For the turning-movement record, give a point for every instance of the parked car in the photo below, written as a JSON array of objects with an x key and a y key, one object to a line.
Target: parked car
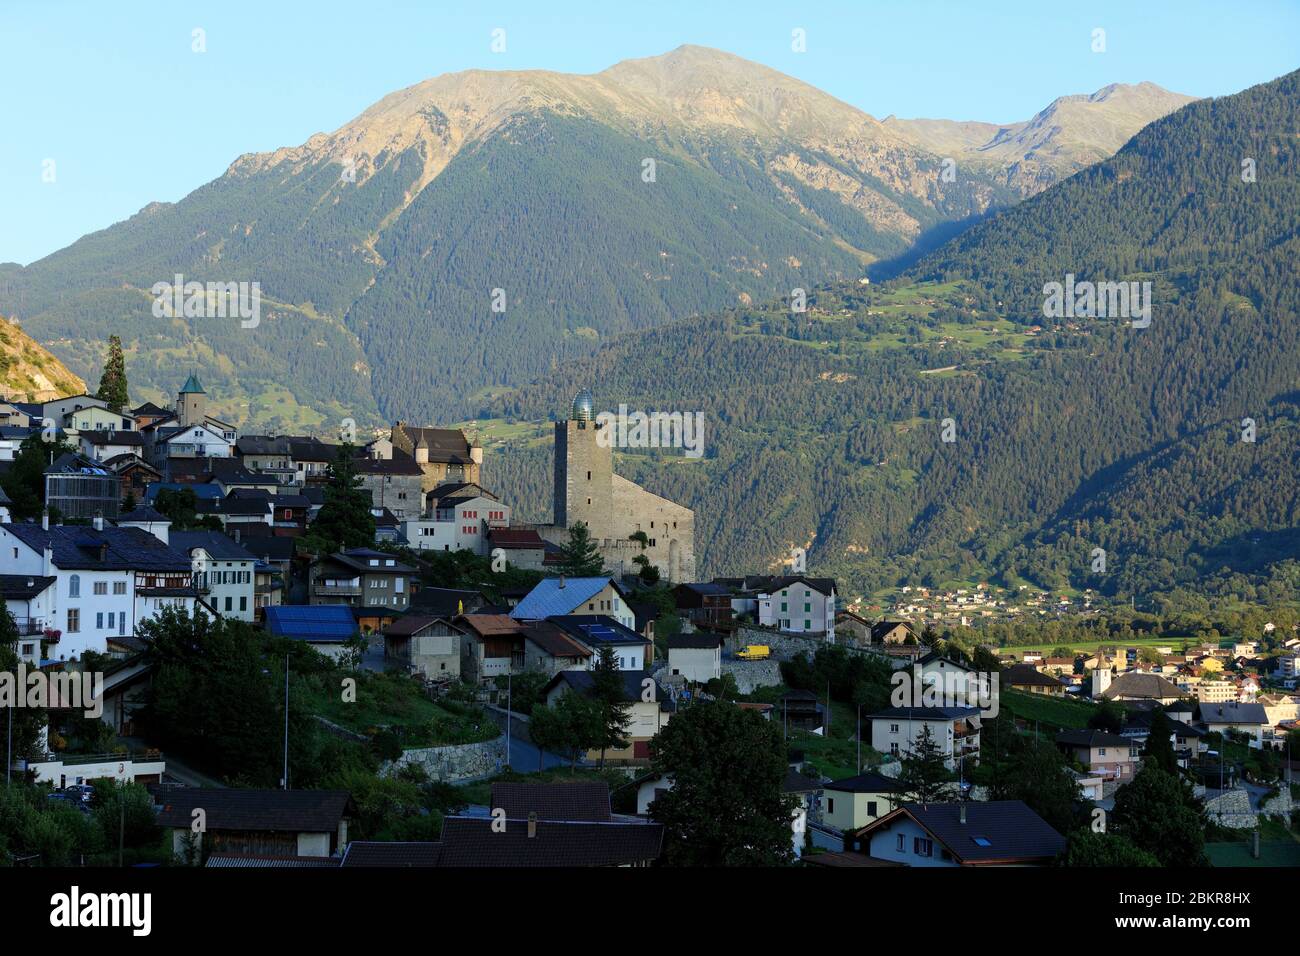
[{"x": 79, "y": 791}]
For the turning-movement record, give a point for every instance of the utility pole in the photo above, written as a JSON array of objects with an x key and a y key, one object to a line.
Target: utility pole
[
  {"x": 286, "y": 721},
  {"x": 510, "y": 687},
  {"x": 859, "y": 738},
  {"x": 121, "y": 821}
]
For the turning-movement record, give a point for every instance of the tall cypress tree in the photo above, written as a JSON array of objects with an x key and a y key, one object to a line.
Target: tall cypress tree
[{"x": 112, "y": 384}]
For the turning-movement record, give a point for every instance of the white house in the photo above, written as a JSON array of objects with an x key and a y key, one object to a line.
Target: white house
[
  {"x": 954, "y": 730},
  {"x": 559, "y": 596},
  {"x": 223, "y": 571},
  {"x": 457, "y": 518},
  {"x": 799, "y": 605},
  {"x": 107, "y": 579},
  {"x": 696, "y": 657},
  {"x": 30, "y": 600}
]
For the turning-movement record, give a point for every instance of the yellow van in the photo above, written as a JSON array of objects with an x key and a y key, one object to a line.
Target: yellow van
[{"x": 754, "y": 652}]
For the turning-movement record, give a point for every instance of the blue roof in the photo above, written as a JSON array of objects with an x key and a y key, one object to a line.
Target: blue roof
[
  {"x": 549, "y": 599},
  {"x": 202, "y": 491},
  {"x": 327, "y": 623}
]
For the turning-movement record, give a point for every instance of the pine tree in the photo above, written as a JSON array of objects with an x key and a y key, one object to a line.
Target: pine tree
[
  {"x": 1159, "y": 748},
  {"x": 112, "y": 384},
  {"x": 925, "y": 776},
  {"x": 615, "y": 709},
  {"x": 344, "y": 520},
  {"x": 579, "y": 557}
]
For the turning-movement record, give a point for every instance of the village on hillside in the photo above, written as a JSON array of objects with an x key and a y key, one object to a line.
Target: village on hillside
[{"x": 348, "y": 653}]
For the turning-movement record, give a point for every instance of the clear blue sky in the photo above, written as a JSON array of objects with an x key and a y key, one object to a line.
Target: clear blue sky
[{"x": 112, "y": 92}]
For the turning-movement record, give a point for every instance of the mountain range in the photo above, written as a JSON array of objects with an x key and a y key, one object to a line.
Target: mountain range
[
  {"x": 939, "y": 428},
  {"x": 474, "y": 231}
]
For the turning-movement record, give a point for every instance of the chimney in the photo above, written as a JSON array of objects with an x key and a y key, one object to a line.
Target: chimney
[
  {"x": 532, "y": 828},
  {"x": 561, "y": 581},
  {"x": 961, "y": 812},
  {"x": 45, "y": 519},
  {"x": 47, "y": 559}
]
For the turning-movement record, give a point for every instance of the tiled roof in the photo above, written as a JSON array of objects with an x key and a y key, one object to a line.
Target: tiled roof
[
  {"x": 490, "y": 625},
  {"x": 409, "y": 624},
  {"x": 326, "y": 623},
  {"x": 22, "y": 587},
  {"x": 359, "y": 559},
  {"x": 580, "y": 800},
  {"x": 1092, "y": 738},
  {"x": 516, "y": 538},
  {"x": 1233, "y": 713},
  {"x": 583, "y": 682},
  {"x": 232, "y": 860},
  {"x": 399, "y": 855},
  {"x": 1026, "y": 675},
  {"x": 286, "y": 811},
  {"x": 1131, "y": 684},
  {"x": 549, "y": 598}
]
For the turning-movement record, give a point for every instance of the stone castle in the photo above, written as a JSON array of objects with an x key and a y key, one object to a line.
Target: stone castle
[{"x": 612, "y": 507}]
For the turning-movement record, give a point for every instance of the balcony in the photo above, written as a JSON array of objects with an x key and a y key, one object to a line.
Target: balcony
[
  {"x": 32, "y": 627},
  {"x": 336, "y": 590}
]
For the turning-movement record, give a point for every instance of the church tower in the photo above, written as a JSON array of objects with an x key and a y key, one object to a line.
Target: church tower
[
  {"x": 583, "y": 471},
  {"x": 191, "y": 403}
]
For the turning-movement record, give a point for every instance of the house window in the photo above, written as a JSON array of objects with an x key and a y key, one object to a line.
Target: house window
[
  {"x": 119, "y": 587},
  {"x": 871, "y": 808},
  {"x": 99, "y": 621},
  {"x": 922, "y": 846},
  {"x": 74, "y": 586},
  {"x": 893, "y": 728},
  {"x": 74, "y": 619},
  {"x": 830, "y": 804},
  {"x": 900, "y": 845},
  {"x": 100, "y": 587}
]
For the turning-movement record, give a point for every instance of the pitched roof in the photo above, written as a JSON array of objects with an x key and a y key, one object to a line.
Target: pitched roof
[
  {"x": 80, "y": 547},
  {"x": 270, "y": 548},
  {"x": 323, "y": 623},
  {"x": 410, "y": 624},
  {"x": 554, "y": 641},
  {"x": 821, "y": 585},
  {"x": 398, "y": 855},
  {"x": 1135, "y": 684},
  {"x": 584, "y": 683},
  {"x": 580, "y": 800},
  {"x": 1092, "y": 738},
  {"x": 516, "y": 538},
  {"x": 359, "y": 559},
  {"x": 597, "y": 629},
  {"x": 557, "y": 596},
  {"x": 104, "y": 437},
  {"x": 23, "y": 587},
  {"x": 1233, "y": 713},
  {"x": 698, "y": 640},
  {"x": 444, "y": 444},
  {"x": 925, "y": 713},
  {"x": 235, "y": 860},
  {"x": 996, "y": 831},
  {"x": 218, "y": 545},
  {"x": 869, "y": 782},
  {"x": 143, "y": 514},
  {"x": 490, "y": 625},
  {"x": 471, "y": 841},
  {"x": 192, "y": 386},
  {"x": 1026, "y": 675},
  {"x": 289, "y": 811},
  {"x": 447, "y": 601}
]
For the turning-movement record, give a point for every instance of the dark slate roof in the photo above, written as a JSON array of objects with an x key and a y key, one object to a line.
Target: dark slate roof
[
  {"x": 583, "y": 682},
  {"x": 796, "y": 782},
  {"x": 143, "y": 514},
  {"x": 323, "y": 623},
  {"x": 823, "y": 585},
  {"x": 1233, "y": 713},
  {"x": 1026, "y": 675},
  {"x": 596, "y": 629},
  {"x": 359, "y": 559},
  {"x": 1013, "y": 832},
  {"x": 400, "y": 464},
  {"x": 286, "y": 811},
  {"x": 22, "y": 587},
  {"x": 78, "y": 547},
  {"x": 218, "y": 545},
  {"x": 270, "y": 548},
  {"x": 869, "y": 782},
  {"x": 446, "y": 602},
  {"x": 935, "y": 656},
  {"x": 409, "y": 624},
  {"x": 470, "y": 841},
  {"x": 444, "y": 444},
  {"x": 149, "y": 409},
  {"x": 398, "y": 855},
  {"x": 1135, "y": 684},
  {"x": 698, "y": 639},
  {"x": 881, "y": 628},
  {"x": 706, "y": 587},
  {"x": 577, "y": 801},
  {"x": 1092, "y": 738}
]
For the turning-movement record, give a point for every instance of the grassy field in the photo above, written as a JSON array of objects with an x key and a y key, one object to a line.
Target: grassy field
[
  {"x": 1050, "y": 713},
  {"x": 395, "y": 703},
  {"x": 1090, "y": 646}
]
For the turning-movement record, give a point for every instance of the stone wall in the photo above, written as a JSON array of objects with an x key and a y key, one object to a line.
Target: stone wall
[
  {"x": 1231, "y": 808},
  {"x": 751, "y": 675},
  {"x": 456, "y": 763}
]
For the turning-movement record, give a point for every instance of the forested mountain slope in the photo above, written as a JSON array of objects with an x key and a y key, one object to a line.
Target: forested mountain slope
[{"x": 1069, "y": 434}]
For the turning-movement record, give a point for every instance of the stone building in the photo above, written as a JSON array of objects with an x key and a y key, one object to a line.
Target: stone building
[
  {"x": 442, "y": 454},
  {"x": 588, "y": 490}
]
